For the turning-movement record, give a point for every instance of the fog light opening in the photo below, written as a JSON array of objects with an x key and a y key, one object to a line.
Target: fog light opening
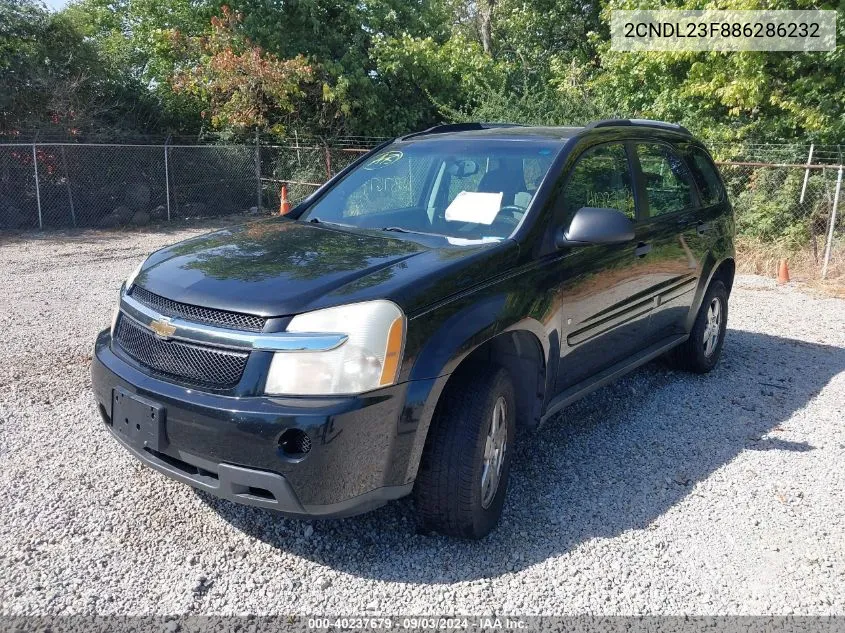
[{"x": 295, "y": 443}]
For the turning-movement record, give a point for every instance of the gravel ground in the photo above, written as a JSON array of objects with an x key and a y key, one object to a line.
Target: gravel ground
[{"x": 666, "y": 493}]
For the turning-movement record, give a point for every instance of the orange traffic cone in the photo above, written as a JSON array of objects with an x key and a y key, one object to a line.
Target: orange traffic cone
[
  {"x": 783, "y": 272},
  {"x": 284, "y": 203}
]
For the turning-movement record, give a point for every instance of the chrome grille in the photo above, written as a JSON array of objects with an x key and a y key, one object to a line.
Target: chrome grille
[
  {"x": 198, "y": 364},
  {"x": 220, "y": 318}
]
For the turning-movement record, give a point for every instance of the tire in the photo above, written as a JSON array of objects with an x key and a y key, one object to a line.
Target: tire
[
  {"x": 448, "y": 491},
  {"x": 701, "y": 351}
]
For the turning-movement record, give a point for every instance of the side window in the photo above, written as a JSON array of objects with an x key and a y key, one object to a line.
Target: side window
[
  {"x": 706, "y": 177},
  {"x": 600, "y": 178},
  {"x": 667, "y": 179},
  {"x": 533, "y": 170}
]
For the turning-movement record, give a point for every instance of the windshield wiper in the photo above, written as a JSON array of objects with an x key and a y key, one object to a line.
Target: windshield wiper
[
  {"x": 399, "y": 229},
  {"x": 319, "y": 221}
]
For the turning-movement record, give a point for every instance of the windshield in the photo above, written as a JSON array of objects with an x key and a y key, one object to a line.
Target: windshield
[{"x": 464, "y": 190}]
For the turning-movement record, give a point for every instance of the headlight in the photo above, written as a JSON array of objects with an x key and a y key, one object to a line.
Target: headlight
[
  {"x": 126, "y": 285},
  {"x": 368, "y": 359},
  {"x": 114, "y": 316},
  {"x": 131, "y": 278}
]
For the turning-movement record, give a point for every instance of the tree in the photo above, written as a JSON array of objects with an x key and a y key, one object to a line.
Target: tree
[
  {"x": 730, "y": 96},
  {"x": 485, "y": 24},
  {"x": 135, "y": 40},
  {"x": 340, "y": 38},
  {"x": 384, "y": 67},
  {"x": 448, "y": 77},
  {"x": 51, "y": 77},
  {"x": 244, "y": 87},
  {"x": 526, "y": 43}
]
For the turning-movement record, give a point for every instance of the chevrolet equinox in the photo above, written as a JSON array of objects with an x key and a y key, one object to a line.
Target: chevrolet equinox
[{"x": 393, "y": 332}]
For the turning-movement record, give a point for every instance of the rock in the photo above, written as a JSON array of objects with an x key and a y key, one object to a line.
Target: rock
[
  {"x": 201, "y": 584},
  {"x": 123, "y": 214},
  {"x": 138, "y": 196},
  {"x": 308, "y": 531},
  {"x": 12, "y": 217},
  {"x": 681, "y": 479},
  {"x": 323, "y": 582},
  {"x": 194, "y": 209},
  {"x": 159, "y": 213},
  {"x": 141, "y": 218},
  {"x": 109, "y": 221}
]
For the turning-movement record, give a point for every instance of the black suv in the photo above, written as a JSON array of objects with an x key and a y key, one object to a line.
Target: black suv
[{"x": 392, "y": 334}]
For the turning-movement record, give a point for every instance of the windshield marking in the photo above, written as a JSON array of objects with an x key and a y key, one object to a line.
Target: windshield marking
[{"x": 384, "y": 160}]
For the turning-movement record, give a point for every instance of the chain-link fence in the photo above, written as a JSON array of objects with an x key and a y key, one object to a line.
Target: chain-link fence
[
  {"x": 301, "y": 169},
  {"x": 787, "y": 197},
  {"x": 66, "y": 185},
  {"x": 788, "y": 211}
]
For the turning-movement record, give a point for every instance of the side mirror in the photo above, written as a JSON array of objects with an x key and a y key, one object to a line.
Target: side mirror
[{"x": 592, "y": 225}]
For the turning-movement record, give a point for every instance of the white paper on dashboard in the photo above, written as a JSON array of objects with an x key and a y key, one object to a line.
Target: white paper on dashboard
[
  {"x": 466, "y": 241},
  {"x": 474, "y": 206}
]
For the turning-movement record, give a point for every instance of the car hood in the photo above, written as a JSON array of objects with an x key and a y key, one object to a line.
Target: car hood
[{"x": 282, "y": 267}]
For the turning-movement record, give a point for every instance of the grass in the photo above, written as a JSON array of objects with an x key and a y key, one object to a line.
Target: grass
[{"x": 756, "y": 257}]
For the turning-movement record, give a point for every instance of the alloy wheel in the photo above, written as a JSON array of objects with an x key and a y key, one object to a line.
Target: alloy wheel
[
  {"x": 494, "y": 452},
  {"x": 714, "y": 326}
]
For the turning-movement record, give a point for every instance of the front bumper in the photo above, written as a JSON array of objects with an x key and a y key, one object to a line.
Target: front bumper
[{"x": 364, "y": 449}]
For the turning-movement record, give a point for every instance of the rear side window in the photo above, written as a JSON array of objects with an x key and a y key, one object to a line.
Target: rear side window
[
  {"x": 706, "y": 177},
  {"x": 667, "y": 179},
  {"x": 600, "y": 178}
]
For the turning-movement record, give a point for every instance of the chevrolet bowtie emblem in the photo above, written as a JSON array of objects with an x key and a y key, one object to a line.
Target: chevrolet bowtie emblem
[{"x": 163, "y": 329}]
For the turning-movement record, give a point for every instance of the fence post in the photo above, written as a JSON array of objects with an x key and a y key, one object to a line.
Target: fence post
[
  {"x": 167, "y": 176},
  {"x": 69, "y": 192},
  {"x": 832, "y": 223},
  {"x": 806, "y": 174},
  {"x": 328, "y": 163},
  {"x": 258, "y": 171},
  {"x": 37, "y": 186}
]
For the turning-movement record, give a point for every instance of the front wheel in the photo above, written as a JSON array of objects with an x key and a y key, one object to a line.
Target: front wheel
[
  {"x": 463, "y": 476},
  {"x": 701, "y": 351}
]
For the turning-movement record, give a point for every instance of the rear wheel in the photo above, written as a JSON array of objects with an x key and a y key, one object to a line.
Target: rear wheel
[
  {"x": 463, "y": 476},
  {"x": 701, "y": 351}
]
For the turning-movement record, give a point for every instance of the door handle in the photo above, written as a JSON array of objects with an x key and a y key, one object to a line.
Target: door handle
[{"x": 642, "y": 249}]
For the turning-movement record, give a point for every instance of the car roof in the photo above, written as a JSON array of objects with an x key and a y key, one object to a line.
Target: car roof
[{"x": 509, "y": 131}]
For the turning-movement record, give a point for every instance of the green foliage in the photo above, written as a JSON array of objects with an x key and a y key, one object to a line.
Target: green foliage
[
  {"x": 767, "y": 205},
  {"x": 727, "y": 96},
  {"x": 245, "y": 87},
  {"x": 140, "y": 40},
  {"x": 51, "y": 76},
  {"x": 448, "y": 76},
  {"x": 385, "y": 67},
  {"x": 533, "y": 103},
  {"x": 339, "y": 38}
]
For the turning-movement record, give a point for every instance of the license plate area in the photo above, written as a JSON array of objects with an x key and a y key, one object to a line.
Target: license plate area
[{"x": 139, "y": 420}]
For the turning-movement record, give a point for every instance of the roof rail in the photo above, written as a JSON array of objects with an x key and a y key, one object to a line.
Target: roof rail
[
  {"x": 641, "y": 123},
  {"x": 444, "y": 128}
]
